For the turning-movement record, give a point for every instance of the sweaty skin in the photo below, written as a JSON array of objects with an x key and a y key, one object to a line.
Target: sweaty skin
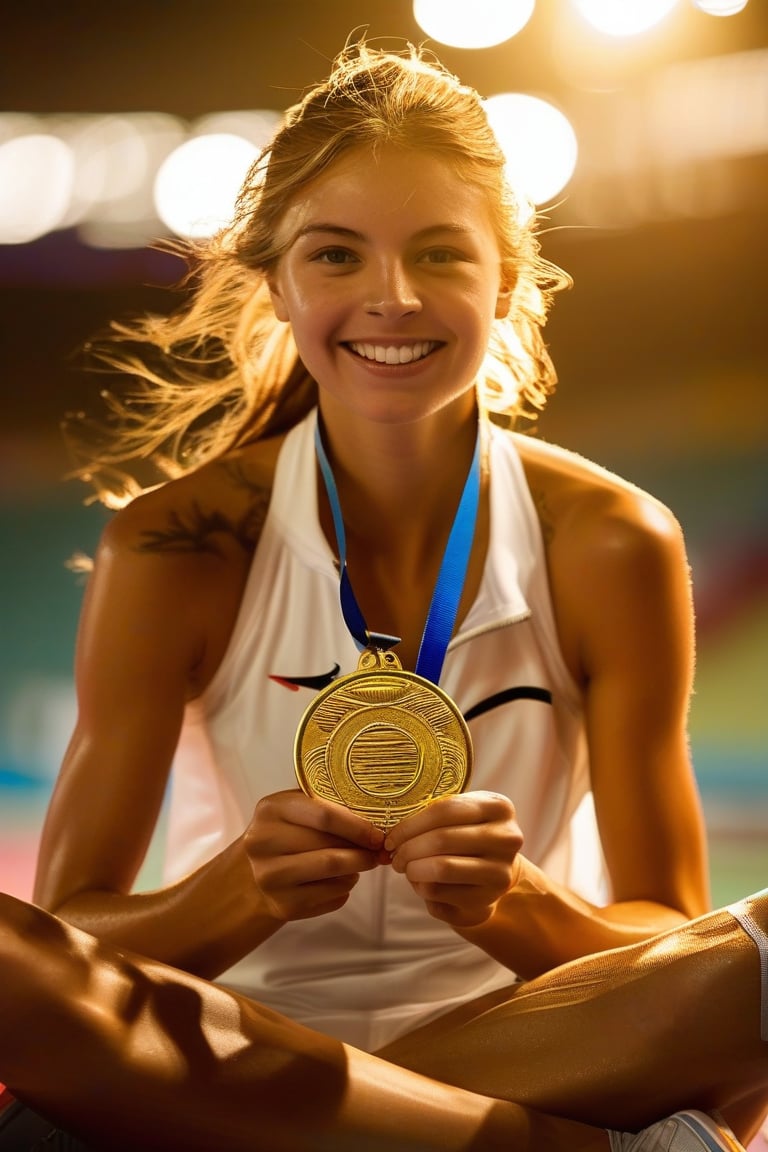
[
  {"x": 175, "y": 561},
  {"x": 393, "y": 251},
  {"x": 212, "y": 1068}
]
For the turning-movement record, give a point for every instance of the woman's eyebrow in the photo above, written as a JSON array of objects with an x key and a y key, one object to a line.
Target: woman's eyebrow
[
  {"x": 437, "y": 229},
  {"x": 353, "y": 234},
  {"x": 334, "y": 229}
]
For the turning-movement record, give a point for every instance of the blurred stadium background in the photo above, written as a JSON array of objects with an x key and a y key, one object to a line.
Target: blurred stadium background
[{"x": 660, "y": 347}]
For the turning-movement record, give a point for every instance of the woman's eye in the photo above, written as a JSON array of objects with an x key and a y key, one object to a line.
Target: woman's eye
[
  {"x": 441, "y": 256},
  {"x": 335, "y": 256}
]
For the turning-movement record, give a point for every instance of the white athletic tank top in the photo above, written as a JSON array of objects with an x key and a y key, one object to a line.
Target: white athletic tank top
[{"x": 381, "y": 965}]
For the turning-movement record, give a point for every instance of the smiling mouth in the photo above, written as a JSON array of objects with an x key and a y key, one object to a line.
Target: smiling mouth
[{"x": 393, "y": 353}]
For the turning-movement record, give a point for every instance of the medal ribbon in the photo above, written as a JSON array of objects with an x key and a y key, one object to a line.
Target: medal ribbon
[{"x": 450, "y": 580}]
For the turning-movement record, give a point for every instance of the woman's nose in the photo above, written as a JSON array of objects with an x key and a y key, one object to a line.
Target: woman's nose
[{"x": 392, "y": 292}]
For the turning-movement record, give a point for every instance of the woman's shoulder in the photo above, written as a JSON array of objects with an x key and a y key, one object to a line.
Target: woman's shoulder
[
  {"x": 217, "y": 509},
  {"x": 582, "y": 500},
  {"x": 176, "y": 559},
  {"x": 610, "y": 546}
]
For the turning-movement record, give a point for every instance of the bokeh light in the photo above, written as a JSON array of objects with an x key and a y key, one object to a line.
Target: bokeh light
[
  {"x": 36, "y": 178},
  {"x": 538, "y": 142},
  {"x": 197, "y": 185},
  {"x": 475, "y": 24},
  {"x": 721, "y": 7},
  {"x": 624, "y": 17}
]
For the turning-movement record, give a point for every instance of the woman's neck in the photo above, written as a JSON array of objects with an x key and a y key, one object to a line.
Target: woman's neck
[
  {"x": 400, "y": 481},
  {"x": 399, "y": 488}
]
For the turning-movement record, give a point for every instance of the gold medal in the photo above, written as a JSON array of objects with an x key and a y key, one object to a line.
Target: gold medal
[{"x": 382, "y": 741}]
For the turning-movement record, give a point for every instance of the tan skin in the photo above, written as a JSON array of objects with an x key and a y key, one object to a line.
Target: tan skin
[
  {"x": 246, "y": 895},
  {"x": 210, "y": 1068},
  {"x": 170, "y": 572},
  {"x": 400, "y": 251},
  {"x": 137, "y": 667}
]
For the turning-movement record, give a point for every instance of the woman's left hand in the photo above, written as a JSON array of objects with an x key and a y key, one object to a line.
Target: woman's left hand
[{"x": 460, "y": 854}]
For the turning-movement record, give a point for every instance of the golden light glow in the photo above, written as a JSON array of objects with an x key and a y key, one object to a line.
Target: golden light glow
[
  {"x": 538, "y": 142},
  {"x": 36, "y": 178},
  {"x": 472, "y": 23},
  {"x": 721, "y": 7},
  {"x": 624, "y": 17},
  {"x": 196, "y": 186}
]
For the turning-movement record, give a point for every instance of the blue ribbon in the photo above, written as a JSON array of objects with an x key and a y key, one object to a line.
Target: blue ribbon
[{"x": 450, "y": 580}]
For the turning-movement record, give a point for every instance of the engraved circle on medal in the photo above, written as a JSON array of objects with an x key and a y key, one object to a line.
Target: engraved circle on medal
[{"x": 383, "y": 742}]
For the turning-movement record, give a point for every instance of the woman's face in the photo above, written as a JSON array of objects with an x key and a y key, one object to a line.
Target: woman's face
[{"x": 390, "y": 279}]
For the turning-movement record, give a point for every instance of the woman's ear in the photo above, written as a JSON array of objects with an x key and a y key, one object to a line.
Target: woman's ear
[{"x": 275, "y": 295}]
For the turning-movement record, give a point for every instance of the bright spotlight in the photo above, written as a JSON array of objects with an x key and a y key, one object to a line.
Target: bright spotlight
[
  {"x": 624, "y": 17},
  {"x": 36, "y": 180},
  {"x": 197, "y": 185},
  {"x": 472, "y": 23},
  {"x": 720, "y": 7},
  {"x": 538, "y": 143}
]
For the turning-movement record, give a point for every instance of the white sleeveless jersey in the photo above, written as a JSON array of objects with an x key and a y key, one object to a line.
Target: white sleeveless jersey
[{"x": 381, "y": 965}]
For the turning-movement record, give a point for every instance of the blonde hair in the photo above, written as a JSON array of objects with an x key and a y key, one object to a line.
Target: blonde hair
[{"x": 221, "y": 371}]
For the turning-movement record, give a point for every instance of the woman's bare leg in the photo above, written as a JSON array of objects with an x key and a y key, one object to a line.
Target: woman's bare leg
[
  {"x": 617, "y": 1039},
  {"x": 127, "y": 1053},
  {"x": 621, "y": 1038}
]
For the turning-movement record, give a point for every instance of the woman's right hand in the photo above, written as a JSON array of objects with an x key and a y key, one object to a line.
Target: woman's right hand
[{"x": 306, "y": 854}]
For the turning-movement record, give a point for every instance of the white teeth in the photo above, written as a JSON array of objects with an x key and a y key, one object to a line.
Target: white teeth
[{"x": 394, "y": 354}]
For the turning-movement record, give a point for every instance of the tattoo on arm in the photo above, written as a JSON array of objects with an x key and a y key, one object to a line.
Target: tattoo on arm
[{"x": 200, "y": 531}]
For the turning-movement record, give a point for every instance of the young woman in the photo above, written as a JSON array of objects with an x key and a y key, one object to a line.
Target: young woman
[{"x": 337, "y": 405}]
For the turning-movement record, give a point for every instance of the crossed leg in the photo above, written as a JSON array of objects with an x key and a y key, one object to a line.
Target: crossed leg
[
  {"x": 127, "y": 1053},
  {"x": 100, "y": 1040},
  {"x": 623, "y": 1037}
]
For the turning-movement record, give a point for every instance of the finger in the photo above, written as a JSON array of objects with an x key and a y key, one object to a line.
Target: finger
[
  {"x": 319, "y": 897},
  {"x": 459, "y": 904},
  {"x": 313, "y": 867},
  {"x": 273, "y": 841},
  {"x": 292, "y": 887},
  {"x": 498, "y": 843},
  {"x": 295, "y": 807},
  {"x": 465, "y": 872},
  {"x": 458, "y": 915},
  {"x": 451, "y": 811}
]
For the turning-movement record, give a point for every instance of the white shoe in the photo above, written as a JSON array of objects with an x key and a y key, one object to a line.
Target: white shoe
[{"x": 684, "y": 1132}]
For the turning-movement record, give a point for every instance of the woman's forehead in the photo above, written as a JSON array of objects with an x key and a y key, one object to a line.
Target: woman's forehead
[{"x": 417, "y": 188}]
